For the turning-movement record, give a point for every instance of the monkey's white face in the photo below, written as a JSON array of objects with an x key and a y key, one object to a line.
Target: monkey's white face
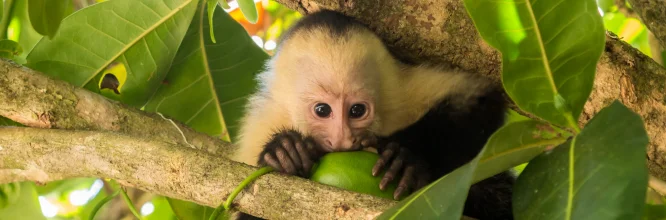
[{"x": 338, "y": 123}]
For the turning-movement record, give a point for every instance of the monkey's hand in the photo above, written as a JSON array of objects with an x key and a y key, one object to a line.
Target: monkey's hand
[
  {"x": 289, "y": 152},
  {"x": 400, "y": 160}
]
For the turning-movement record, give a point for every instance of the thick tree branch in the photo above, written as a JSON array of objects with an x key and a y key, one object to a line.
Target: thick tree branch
[
  {"x": 440, "y": 31},
  {"x": 653, "y": 15},
  {"x": 32, "y": 99},
  {"x": 173, "y": 170}
]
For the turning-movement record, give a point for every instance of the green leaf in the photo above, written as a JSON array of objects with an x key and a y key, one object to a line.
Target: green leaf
[
  {"x": 20, "y": 30},
  {"x": 162, "y": 210},
  {"x": 142, "y": 35},
  {"x": 549, "y": 49},
  {"x": 188, "y": 210},
  {"x": 442, "y": 199},
  {"x": 515, "y": 144},
  {"x": 26, "y": 205},
  {"x": 9, "y": 49},
  {"x": 46, "y": 15},
  {"x": 212, "y": 4},
  {"x": 600, "y": 174},
  {"x": 249, "y": 10},
  {"x": 207, "y": 80}
]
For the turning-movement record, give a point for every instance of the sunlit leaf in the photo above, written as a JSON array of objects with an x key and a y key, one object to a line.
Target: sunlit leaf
[
  {"x": 600, "y": 174},
  {"x": 607, "y": 5},
  {"x": 143, "y": 35},
  {"x": 249, "y": 9},
  {"x": 549, "y": 52},
  {"x": 514, "y": 144},
  {"x": 46, "y": 15},
  {"x": 26, "y": 205},
  {"x": 442, "y": 199},
  {"x": 162, "y": 210},
  {"x": 208, "y": 84}
]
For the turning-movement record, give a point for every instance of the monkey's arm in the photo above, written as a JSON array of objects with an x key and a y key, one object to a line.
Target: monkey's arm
[{"x": 268, "y": 138}]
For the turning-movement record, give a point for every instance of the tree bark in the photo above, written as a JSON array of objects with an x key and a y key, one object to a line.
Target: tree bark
[
  {"x": 653, "y": 15},
  {"x": 441, "y": 31},
  {"x": 173, "y": 170},
  {"x": 35, "y": 100}
]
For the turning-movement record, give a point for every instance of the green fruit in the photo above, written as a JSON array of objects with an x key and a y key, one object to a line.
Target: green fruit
[{"x": 351, "y": 171}]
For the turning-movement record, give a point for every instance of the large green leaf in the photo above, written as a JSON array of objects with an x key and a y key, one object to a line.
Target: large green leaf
[
  {"x": 142, "y": 35},
  {"x": 549, "y": 52},
  {"x": 442, "y": 199},
  {"x": 514, "y": 144},
  {"x": 600, "y": 174},
  {"x": 207, "y": 79},
  {"x": 46, "y": 15}
]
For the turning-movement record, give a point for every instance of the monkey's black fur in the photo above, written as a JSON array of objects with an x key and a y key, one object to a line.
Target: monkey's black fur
[
  {"x": 445, "y": 138},
  {"x": 448, "y": 136}
]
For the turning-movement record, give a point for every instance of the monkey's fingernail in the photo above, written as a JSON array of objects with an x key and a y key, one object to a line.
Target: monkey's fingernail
[
  {"x": 398, "y": 192},
  {"x": 383, "y": 184}
]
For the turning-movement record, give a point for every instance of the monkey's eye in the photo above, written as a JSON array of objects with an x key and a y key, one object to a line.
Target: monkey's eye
[
  {"x": 322, "y": 110},
  {"x": 357, "y": 111}
]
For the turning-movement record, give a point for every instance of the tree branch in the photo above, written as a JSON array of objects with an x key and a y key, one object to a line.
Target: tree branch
[
  {"x": 172, "y": 170},
  {"x": 35, "y": 100},
  {"x": 653, "y": 15},
  {"x": 440, "y": 31}
]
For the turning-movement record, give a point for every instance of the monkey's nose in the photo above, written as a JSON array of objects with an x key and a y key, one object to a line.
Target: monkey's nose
[{"x": 340, "y": 144}]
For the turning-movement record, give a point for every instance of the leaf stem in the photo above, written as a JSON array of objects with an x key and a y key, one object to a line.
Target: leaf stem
[
  {"x": 571, "y": 179},
  {"x": 130, "y": 204},
  {"x": 572, "y": 123},
  {"x": 227, "y": 204},
  {"x": 99, "y": 205}
]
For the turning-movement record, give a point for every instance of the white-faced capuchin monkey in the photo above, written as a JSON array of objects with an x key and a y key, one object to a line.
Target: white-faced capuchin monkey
[{"x": 332, "y": 85}]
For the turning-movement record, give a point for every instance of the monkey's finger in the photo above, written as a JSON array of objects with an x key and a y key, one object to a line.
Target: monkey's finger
[
  {"x": 406, "y": 181},
  {"x": 305, "y": 158},
  {"x": 392, "y": 172},
  {"x": 288, "y": 144},
  {"x": 270, "y": 160},
  {"x": 285, "y": 161},
  {"x": 312, "y": 148},
  {"x": 383, "y": 160}
]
